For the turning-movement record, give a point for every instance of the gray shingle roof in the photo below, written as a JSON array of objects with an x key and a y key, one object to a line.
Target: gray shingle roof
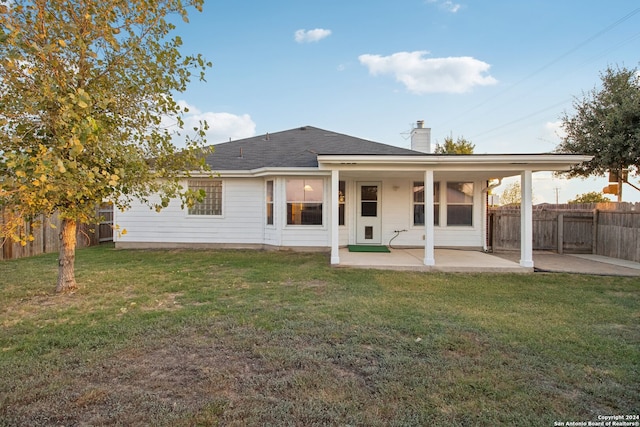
[{"x": 293, "y": 148}]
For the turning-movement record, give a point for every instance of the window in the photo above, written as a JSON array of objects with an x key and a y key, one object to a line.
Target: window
[
  {"x": 269, "y": 197},
  {"x": 369, "y": 200},
  {"x": 212, "y": 203},
  {"x": 418, "y": 203},
  {"x": 304, "y": 201},
  {"x": 341, "y": 200},
  {"x": 459, "y": 203}
]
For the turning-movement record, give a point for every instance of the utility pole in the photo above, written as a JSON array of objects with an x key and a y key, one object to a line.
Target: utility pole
[
  {"x": 620, "y": 181},
  {"x": 557, "y": 190}
]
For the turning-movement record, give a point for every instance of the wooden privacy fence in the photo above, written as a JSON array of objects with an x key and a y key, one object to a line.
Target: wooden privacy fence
[
  {"x": 47, "y": 239},
  {"x": 609, "y": 229},
  {"x": 618, "y": 235}
]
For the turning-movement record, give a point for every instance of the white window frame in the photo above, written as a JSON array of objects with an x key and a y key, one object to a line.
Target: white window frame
[
  {"x": 471, "y": 204},
  {"x": 436, "y": 203},
  {"x": 270, "y": 202},
  {"x": 321, "y": 201}
]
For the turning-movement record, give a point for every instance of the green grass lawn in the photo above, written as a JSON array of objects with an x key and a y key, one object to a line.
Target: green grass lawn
[{"x": 240, "y": 338}]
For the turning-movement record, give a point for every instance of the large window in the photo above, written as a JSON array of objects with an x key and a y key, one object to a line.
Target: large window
[
  {"x": 304, "y": 201},
  {"x": 269, "y": 207},
  {"x": 212, "y": 203},
  {"x": 418, "y": 203},
  {"x": 459, "y": 203}
]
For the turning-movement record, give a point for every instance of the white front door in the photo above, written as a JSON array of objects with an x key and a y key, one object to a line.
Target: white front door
[{"x": 369, "y": 219}]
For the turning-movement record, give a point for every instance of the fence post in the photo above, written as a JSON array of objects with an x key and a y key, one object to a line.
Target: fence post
[
  {"x": 560, "y": 233},
  {"x": 594, "y": 240}
]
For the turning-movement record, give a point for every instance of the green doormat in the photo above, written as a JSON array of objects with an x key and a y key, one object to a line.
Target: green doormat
[{"x": 368, "y": 248}]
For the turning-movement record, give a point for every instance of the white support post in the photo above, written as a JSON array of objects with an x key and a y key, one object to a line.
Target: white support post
[
  {"x": 429, "y": 241},
  {"x": 526, "y": 220},
  {"x": 334, "y": 220}
]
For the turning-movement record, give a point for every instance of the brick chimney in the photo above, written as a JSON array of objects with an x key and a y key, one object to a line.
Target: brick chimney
[{"x": 421, "y": 138}]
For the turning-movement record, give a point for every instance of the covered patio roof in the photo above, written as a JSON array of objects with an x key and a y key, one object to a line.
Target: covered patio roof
[{"x": 480, "y": 166}]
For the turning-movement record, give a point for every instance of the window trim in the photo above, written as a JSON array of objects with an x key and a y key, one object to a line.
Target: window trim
[
  {"x": 472, "y": 204},
  {"x": 272, "y": 203},
  {"x": 436, "y": 203},
  {"x": 322, "y": 202}
]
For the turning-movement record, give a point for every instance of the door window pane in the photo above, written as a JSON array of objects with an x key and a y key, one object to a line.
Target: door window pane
[{"x": 369, "y": 200}]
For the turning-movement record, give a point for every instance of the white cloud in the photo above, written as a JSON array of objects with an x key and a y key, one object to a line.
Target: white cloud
[
  {"x": 450, "y": 6},
  {"x": 555, "y": 130},
  {"x": 430, "y": 75},
  {"x": 222, "y": 126},
  {"x": 447, "y": 5},
  {"x": 309, "y": 36}
]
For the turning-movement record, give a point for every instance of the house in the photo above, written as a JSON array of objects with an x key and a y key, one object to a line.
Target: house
[{"x": 313, "y": 189}]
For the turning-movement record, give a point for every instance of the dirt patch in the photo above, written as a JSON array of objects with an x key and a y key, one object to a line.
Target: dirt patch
[
  {"x": 195, "y": 377},
  {"x": 167, "y": 384}
]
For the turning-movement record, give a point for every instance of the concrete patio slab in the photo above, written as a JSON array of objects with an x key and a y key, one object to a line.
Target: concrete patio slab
[
  {"x": 447, "y": 260},
  {"x": 578, "y": 263},
  {"x": 468, "y": 261}
]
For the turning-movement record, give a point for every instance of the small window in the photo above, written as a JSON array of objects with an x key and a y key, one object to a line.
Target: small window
[
  {"x": 269, "y": 198},
  {"x": 212, "y": 203},
  {"x": 341, "y": 201},
  {"x": 418, "y": 203},
  {"x": 460, "y": 203},
  {"x": 304, "y": 201}
]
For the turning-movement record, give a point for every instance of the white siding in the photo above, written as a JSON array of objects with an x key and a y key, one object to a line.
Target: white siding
[{"x": 241, "y": 221}]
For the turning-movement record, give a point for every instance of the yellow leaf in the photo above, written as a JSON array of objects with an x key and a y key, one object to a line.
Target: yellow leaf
[
  {"x": 62, "y": 43},
  {"x": 124, "y": 231}
]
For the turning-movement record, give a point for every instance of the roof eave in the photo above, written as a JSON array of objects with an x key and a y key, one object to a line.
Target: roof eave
[{"x": 535, "y": 162}]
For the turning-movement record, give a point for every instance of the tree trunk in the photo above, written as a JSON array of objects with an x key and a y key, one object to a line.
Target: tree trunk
[{"x": 67, "y": 257}]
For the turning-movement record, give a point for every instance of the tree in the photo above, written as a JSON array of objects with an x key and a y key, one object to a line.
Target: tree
[
  {"x": 512, "y": 194},
  {"x": 606, "y": 125},
  {"x": 461, "y": 146},
  {"x": 86, "y": 91},
  {"x": 590, "y": 197}
]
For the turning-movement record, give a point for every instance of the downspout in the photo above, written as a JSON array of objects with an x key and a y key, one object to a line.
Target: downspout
[
  {"x": 490, "y": 187},
  {"x": 486, "y": 190}
]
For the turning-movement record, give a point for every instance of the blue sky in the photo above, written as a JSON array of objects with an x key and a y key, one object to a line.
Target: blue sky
[{"x": 499, "y": 73}]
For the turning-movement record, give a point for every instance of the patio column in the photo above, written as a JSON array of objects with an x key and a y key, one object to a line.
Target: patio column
[
  {"x": 334, "y": 221},
  {"x": 526, "y": 220},
  {"x": 429, "y": 256}
]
